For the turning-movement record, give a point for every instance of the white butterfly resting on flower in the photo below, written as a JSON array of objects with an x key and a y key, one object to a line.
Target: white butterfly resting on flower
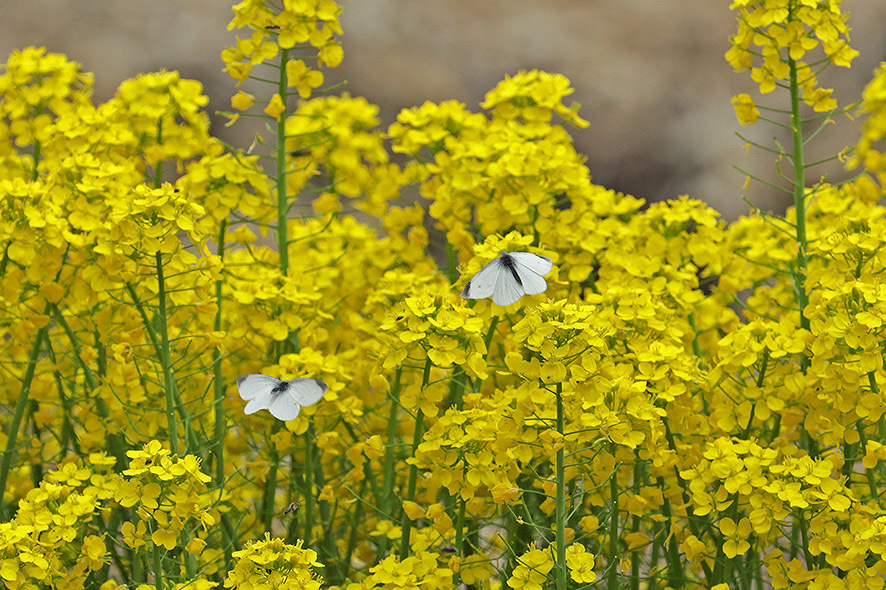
[
  {"x": 509, "y": 277},
  {"x": 283, "y": 399}
]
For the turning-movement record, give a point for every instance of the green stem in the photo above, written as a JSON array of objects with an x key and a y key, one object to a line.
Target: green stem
[
  {"x": 799, "y": 195},
  {"x": 387, "y": 498},
  {"x": 675, "y": 566},
  {"x": 460, "y": 539},
  {"x": 405, "y": 523},
  {"x": 158, "y": 566},
  {"x": 20, "y": 406},
  {"x": 158, "y": 170},
  {"x": 218, "y": 385},
  {"x": 168, "y": 379},
  {"x": 309, "y": 488},
  {"x": 282, "y": 201},
  {"x": 635, "y": 524},
  {"x": 219, "y": 390},
  {"x": 38, "y": 147},
  {"x": 271, "y": 481},
  {"x": 355, "y": 530},
  {"x": 612, "y": 565},
  {"x": 560, "y": 510}
]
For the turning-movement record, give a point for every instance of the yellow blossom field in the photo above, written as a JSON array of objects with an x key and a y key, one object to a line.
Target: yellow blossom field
[{"x": 687, "y": 404}]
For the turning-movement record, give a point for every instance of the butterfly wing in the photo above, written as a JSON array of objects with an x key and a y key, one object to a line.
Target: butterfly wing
[
  {"x": 256, "y": 389},
  {"x": 284, "y": 407},
  {"x": 482, "y": 284},
  {"x": 507, "y": 288},
  {"x": 287, "y": 404},
  {"x": 307, "y": 392},
  {"x": 540, "y": 265},
  {"x": 531, "y": 268},
  {"x": 251, "y": 386}
]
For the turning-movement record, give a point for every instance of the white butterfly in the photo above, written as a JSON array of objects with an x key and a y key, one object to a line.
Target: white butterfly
[
  {"x": 283, "y": 399},
  {"x": 509, "y": 277}
]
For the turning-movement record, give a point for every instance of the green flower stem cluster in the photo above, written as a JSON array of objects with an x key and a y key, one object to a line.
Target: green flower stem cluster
[{"x": 690, "y": 404}]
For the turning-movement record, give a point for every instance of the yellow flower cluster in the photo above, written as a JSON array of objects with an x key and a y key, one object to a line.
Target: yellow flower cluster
[
  {"x": 774, "y": 37},
  {"x": 416, "y": 571},
  {"x": 166, "y": 491},
  {"x": 314, "y": 22},
  {"x": 869, "y": 150},
  {"x": 271, "y": 563},
  {"x": 54, "y": 540}
]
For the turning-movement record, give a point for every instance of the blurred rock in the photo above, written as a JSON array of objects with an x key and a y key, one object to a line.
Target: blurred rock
[{"x": 650, "y": 75}]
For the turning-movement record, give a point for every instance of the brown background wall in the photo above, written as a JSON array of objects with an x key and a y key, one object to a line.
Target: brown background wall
[{"x": 650, "y": 74}]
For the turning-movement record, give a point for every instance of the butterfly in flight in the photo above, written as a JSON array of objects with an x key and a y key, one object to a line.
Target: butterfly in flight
[
  {"x": 510, "y": 276},
  {"x": 283, "y": 399}
]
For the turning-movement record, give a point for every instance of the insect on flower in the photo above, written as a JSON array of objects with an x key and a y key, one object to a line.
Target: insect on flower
[
  {"x": 283, "y": 399},
  {"x": 509, "y": 277}
]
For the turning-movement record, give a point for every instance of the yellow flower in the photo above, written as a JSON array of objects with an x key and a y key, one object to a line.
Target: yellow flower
[
  {"x": 298, "y": 74},
  {"x": 532, "y": 569},
  {"x": 736, "y": 536},
  {"x": 275, "y": 107},
  {"x": 580, "y": 564},
  {"x": 165, "y": 537},
  {"x": 242, "y": 101},
  {"x": 133, "y": 535},
  {"x": 745, "y": 109},
  {"x": 95, "y": 551}
]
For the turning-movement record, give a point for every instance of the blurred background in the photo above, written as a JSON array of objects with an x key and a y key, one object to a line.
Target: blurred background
[{"x": 650, "y": 74}]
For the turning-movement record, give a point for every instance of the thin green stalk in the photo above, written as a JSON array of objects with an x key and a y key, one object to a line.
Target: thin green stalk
[
  {"x": 218, "y": 385},
  {"x": 190, "y": 560},
  {"x": 282, "y": 200},
  {"x": 271, "y": 483},
  {"x": 308, "y": 534},
  {"x": 114, "y": 441},
  {"x": 38, "y": 147},
  {"x": 387, "y": 498},
  {"x": 139, "y": 576},
  {"x": 612, "y": 565},
  {"x": 190, "y": 433},
  {"x": 653, "y": 553},
  {"x": 219, "y": 390},
  {"x": 462, "y": 546},
  {"x": 460, "y": 540},
  {"x": 355, "y": 530},
  {"x": 166, "y": 364},
  {"x": 158, "y": 567},
  {"x": 758, "y": 572},
  {"x": 799, "y": 195},
  {"x": 675, "y": 566},
  {"x": 560, "y": 510},
  {"x": 635, "y": 524},
  {"x": 20, "y": 406},
  {"x": 405, "y": 523},
  {"x": 745, "y": 574},
  {"x": 158, "y": 170}
]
